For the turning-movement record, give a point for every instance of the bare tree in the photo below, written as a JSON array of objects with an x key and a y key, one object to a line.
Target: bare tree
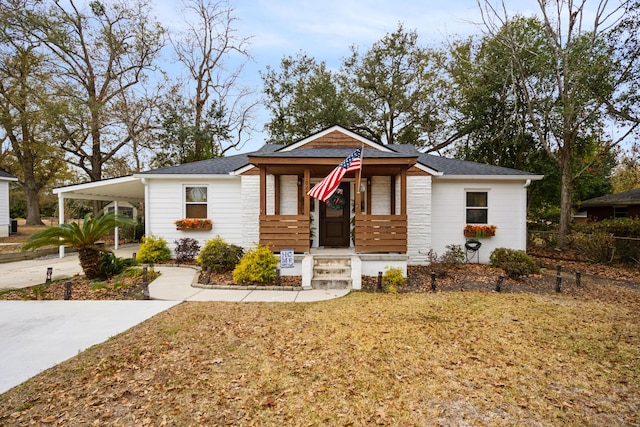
[{"x": 214, "y": 55}]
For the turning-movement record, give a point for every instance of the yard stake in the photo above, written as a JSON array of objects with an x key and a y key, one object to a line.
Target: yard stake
[
  {"x": 578, "y": 279},
  {"x": 67, "y": 290},
  {"x": 379, "y": 287},
  {"x": 433, "y": 281},
  {"x": 208, "y": 278},
  {"x": 49, "y": 274},
  {"x": 499, "y": 284}
]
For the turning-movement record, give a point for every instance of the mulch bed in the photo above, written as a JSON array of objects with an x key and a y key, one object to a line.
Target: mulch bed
[
  {"x": 81, "y": 289},
  {"x": 466, "y": 277}
]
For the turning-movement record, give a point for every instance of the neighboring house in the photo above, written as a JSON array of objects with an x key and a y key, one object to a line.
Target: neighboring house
[
  {"x": 620, "y": 205},
  {"x": 5, "y": 218},
  {"x": 409, "y": 203}
]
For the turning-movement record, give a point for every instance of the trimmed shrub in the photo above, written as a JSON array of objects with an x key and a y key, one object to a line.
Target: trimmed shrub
[
  {"x": 258, "y": 265},
  {"x": 152, "y": 250},
  {"x": 219, "y": 255},
  {"x": 186, "y": 249},
  {"x": 515, "y": 263},
  {"x": 393, "y": 279}
]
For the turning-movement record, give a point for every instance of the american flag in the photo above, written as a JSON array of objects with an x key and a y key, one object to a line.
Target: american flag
[{"x": 325, "y": 188}]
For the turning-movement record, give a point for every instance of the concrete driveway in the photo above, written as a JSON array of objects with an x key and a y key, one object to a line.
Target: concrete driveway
[{"x": 37, "y": 335}]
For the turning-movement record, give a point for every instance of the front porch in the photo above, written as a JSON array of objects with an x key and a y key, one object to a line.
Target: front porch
[{"x": 370, "y": 218}]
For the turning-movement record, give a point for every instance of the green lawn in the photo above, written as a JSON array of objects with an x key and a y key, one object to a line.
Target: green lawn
[{"x": 452, "y": 358}]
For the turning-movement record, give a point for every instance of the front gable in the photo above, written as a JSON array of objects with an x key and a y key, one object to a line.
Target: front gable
[{"x": 335, "y": 136}]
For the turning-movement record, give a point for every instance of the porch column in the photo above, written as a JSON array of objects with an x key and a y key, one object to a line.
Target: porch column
[
  {"x": 263, "y": 190},
  {"x": 403, "y": 194},
  {"x": 60, "y": 221},
  {"x": 306, "y": 187},
  {"x": 276, "y": 194},
  {"x": 358, "y": 201}
]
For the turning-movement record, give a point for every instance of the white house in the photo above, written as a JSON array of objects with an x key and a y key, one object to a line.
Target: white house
[
  {"x": 398, "y": 207},
  {"x": 5, "y": 218}
]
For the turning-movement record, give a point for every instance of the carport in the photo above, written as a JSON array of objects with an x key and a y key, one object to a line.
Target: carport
[{"x": 124, "y": 189}]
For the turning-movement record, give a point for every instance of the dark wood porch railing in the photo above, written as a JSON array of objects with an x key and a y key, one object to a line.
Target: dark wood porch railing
[
  {"x": 381, "y": 233},
  {"x": 285, "y": 232}
]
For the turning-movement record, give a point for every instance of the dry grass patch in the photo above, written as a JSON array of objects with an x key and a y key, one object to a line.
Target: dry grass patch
[{"x": 367, "y": 359}]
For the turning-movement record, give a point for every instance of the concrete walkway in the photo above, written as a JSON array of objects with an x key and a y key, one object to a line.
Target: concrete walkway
[{"x": 174, "y": 284}]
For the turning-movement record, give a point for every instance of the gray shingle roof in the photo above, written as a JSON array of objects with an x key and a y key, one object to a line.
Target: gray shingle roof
[
  {"x": 462, "y": 167},
  {"x": 4, "y": 174},
  {"x": 226, "y": 165},
  {"x": 218, "y": 166},
  {"x": 631, "y": 197}
]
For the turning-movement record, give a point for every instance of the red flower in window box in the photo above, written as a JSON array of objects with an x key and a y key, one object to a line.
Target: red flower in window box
[
  {"x": 479, "y": 230},
  {"x": 195, "y": 224}
]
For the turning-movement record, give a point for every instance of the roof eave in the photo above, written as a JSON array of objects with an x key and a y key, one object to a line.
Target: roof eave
[
  {"x": 184, "y": 175},
  {"x": 492, "y": 177}
]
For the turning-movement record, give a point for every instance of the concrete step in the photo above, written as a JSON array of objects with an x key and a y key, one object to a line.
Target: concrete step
[
  {"x": 331, "y": 261},
  {"x": 331, "y": 283},
  {"x": 331, "y": 271}
]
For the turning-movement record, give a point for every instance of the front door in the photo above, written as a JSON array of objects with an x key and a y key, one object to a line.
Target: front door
[{"x": 334, "y": 218}]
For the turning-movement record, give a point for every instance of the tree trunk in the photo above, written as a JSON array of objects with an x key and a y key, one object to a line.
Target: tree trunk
[
  {"x": 33, "y": 206},
  {"x": 566, "y": 188},
  {"x": 90, "y": 262}
]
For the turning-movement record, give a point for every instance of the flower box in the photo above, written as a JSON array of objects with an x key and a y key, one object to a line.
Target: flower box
[
  {"x": 479, "y": 231},
  {"x": 194, "y": 224}
]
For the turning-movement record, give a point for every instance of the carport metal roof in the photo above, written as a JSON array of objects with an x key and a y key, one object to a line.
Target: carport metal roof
[{"x": 124, "y": 189}]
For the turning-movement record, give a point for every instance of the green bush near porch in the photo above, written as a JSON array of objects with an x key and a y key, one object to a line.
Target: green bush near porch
[{"x": 258, "y": 265}]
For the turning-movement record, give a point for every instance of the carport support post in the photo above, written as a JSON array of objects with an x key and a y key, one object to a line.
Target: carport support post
[
  {"x": 60, "y": 221},
  {"x": 115, "y": 231}
]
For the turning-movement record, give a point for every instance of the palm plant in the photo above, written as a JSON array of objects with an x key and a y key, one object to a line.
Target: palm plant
[{"x": 82, "y": 237}]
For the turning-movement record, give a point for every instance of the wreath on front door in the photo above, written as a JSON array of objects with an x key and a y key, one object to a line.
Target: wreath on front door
[{"x": 337, "y": 201}]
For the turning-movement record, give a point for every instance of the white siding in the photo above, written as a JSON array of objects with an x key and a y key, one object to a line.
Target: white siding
[
  {"x": 271, "y": 195},
  {"x": 380, "y": 195},
  {"x": 167, "y": 204},
  {"x": 250, "y": 210},
  {"x": 4, "y": 208},
  {"x": 418, "y": 218},
  {"x": 288, "y": 195},
  {"x": 507, "y": 211}
]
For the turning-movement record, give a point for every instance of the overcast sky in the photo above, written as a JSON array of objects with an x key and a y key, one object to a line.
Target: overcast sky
[{"x": 325, "y": 29}]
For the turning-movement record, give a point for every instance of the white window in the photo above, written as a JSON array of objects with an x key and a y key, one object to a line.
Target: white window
[
  {"x": 196, "y": 202},
  {"x": 477, "y": 207}
]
